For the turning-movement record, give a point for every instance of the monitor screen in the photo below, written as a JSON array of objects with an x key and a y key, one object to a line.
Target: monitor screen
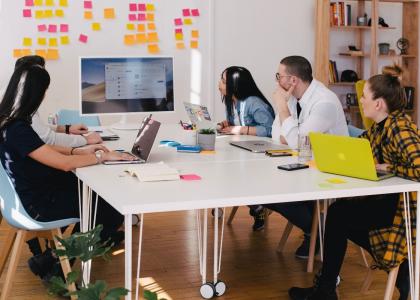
[{"x": 120, "y": 85}]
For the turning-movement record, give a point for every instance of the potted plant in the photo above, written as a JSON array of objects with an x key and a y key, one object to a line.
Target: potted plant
[{"x": 206, "y": 138}]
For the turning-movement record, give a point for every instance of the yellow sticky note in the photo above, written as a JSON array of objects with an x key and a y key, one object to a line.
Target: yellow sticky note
[
  {"x": 129, "y": 39},
  {"x": 96, "y": 26},
  {"x": 131, "y": 26},
  {"x": 150, "y": 17},
  {"x": 49, "y": 2},
  {"x": 88, "y": 15},
  {"x": 39, "y": 14},
  {"x": 153, "y": 48},
  {"x": 109, "y": 13},
  {"x": 194, "y": 44},
  {"x": 53, "y": 42},
  {"x": 208, "y": 152},
  {"x": 42, "y": 41},
  {"x": 180, "y": 45},
  {"x": 41, "y": 52},
  {"x": 17, "y": 53},
  {"x": 26, "y": 52},
  {"x": 179, "y": 36},
  {"x": 152, "y": 37},
  {"x": 38, "y": 2},
  {"x": 141, "y": 28},
  {"x": 336, "y": 180},
  {"x": 150, "y": 7},
  {"x": 52, "y": 54},
  {"x": 64, "y": 40},
  {"x": 59, "y": 13},
  {"x": 48, "y": 13},
  {"x": 63, "y": 3},
  {"x": 27, "y": 42},
  {"x": 141, "y": 38},
  {"x": 312, "y": 164},
  {"x": 151, "y": 26},
  {"x": 195, "y": 34},
  {"x": 187, "y": 21}
]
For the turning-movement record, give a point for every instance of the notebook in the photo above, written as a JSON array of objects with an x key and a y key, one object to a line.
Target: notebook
[
  {"x": 259, "y": 146},
  {"x": 153, "y": 172},
  {"x": 143, "y": 143},
  {"x": 346, "y": 156},
  {"x": 106, "y": 134}
]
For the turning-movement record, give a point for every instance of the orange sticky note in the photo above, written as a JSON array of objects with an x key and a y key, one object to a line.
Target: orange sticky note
[
  {"x": 141, "y": 28},
  {"x": 96, "y": 26},
  {"x": 195, "y": 34},
  {"x": 129, "y": 39},
  {"x": 59, "y": 13},
  {"x": 38, "y": 2},
  {"x": 187, "y": 21},
  {"x": 26, "y": 52},
  {"x": 141, "y": 38},
  {"x": 41, "y": 52},
  {"x": 39, "y": 14},
  {"x": 151, "y": 26},
  {"x": 64, "y": 40},
  {"x": 63, "y": 3},
  {"x": 49, "y": 2},
  {"x": 150, "y": 17},
  {"x": 152, "y": 37},
  {"x": 180, "y": 46},
  {"x": 17, "y": 53},
  {"x": 48, "y": 13},
  {"x": 27, "y": 42},
  {"x": 52, "y": 54},
  {"x": 42, "y": 41},
  {"x": 153, "y": 48},
  {"x": 179, "y": 36},
  {"x": 53, "y": 42},
  {"x": 194, "y": 44},
  {"x": 88, "y": 15},
  {"x": 109, "y": 13},
  {"x": 130, "y": 26}
]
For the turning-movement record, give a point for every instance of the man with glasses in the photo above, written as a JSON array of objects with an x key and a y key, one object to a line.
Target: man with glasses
[{"x": 303, "y": 105}]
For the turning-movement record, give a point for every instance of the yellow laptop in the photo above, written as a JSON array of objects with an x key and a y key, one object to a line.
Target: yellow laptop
[{"x": 346, "y": 156}]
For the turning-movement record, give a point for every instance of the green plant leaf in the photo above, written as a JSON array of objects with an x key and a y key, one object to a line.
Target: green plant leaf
[
  {"x": 72, "y": 277},
  {"x": 57, "y": 286},
  {"x": 148, "y": 295},
  {"x": 207, "y": 131},
  {"x": 116, "y": 294},
  {"x": 92, "y": 291}
]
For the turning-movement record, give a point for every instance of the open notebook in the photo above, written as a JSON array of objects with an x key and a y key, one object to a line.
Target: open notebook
[{"x": 153, "y": 172}]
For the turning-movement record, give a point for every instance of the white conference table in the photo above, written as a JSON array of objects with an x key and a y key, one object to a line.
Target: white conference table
[{"x": 230, "y": 177}]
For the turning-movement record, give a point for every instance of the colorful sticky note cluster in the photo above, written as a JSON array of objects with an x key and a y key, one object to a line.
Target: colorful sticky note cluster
[{"x": 186, "y": 20}]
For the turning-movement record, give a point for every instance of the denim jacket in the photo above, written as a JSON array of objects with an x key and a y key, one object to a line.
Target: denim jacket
[{"x": 257, "y": 114}]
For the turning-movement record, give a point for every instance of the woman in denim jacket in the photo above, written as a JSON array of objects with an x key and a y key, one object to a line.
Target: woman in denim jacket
[{"x": 247, "y": 110}]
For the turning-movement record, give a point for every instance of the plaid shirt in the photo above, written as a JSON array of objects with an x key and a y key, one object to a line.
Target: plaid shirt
[{"x": 400, "y": 144}]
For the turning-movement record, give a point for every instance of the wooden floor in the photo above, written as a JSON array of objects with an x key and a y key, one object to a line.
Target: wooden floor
[{"x": 250, "y": 265}]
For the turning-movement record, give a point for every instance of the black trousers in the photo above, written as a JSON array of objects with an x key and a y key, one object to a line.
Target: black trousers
[{"x": 352, "y": 219}]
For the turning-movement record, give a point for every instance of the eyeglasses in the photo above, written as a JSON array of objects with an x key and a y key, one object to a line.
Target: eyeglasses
[{"x": 278, "y": 76}]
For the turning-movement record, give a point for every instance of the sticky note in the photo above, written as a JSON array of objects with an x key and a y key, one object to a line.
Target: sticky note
[
  {"x": 132, "y": 17},
  {"x": 109, "y": 13},
  {"x": 64, "y": 28},
  {"x": 180, "y": 45},
  {"x": 152, "y": 37},
  {"x": 87, "y": 4},
  {"x": 129, "y": 39},
  {"x": 49, "y": 2},
  {"x": 88, "y": 15},
  {"x": 142, "y": 7},
  {"x": 64, "y": 40},
  {"x": 59, "y": 13},
  {"x": 186, "y": 12},
  {"x": 141, "y": 17},
  {"x": 141, "y": 38},
  {"x": 150, "y": 17},
  {"x": 48, "y": 13},
  {"x": 195, "y": 34},
  {"x": 194, "y": 44},
  {"x": 42, "y": 41},
  {"x": 52, "y": 54},
  {"x": 336, "y": 180},
  {"x": 39, "y": 14},
  {"x": 42, "y": 28},
  {"x": 52, "y": 28},
  {"x": 27, "y": 13},
  {"x": 141, "y": 28},
  {"x": 27, "y": 42},
  {"x": 208, "y": 152},
  {"x": 312, "y": 164},
  {"x": 150, "y": 7},
  {"x": 179, "y": 36},
  {"x": 83, "y": 38},
  {"x": 153, "y": 48},
  {"x": 52, "y": 42},
  {"x": 132, "y": 6},
  {"x": 29, "y": 2},
  {"x": 151, "y": 26},
  {"x": 41, "y": 52},
  {"x": 187, "y": 21},
  {"x": 178, "y": 22},
  {"x": 190, "y": 177},
  {"x": 38, "y": 2},
  {"x": 195, "y": 12},
  {"x": 130, "y": 26},
  {"x": 17, "y": 53},
  {"x": 63, "y": 3},
  {"x": 96, "y": 26}
]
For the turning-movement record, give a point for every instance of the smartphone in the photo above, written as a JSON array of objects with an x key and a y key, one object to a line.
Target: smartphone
[
  {"x": 292, "y": 167},
  {"x": 278, "y": 154}
]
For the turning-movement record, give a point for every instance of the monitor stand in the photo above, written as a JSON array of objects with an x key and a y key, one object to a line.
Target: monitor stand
[{"x": 124, "y": 125}]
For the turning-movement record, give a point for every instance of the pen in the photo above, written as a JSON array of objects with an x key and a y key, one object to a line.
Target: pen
[{"x": 119, "y": 150}]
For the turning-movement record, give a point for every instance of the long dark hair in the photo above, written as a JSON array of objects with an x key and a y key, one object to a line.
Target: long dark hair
[
  {"x": 24, "y": 93},
  {"x": 239, "y": 83}
]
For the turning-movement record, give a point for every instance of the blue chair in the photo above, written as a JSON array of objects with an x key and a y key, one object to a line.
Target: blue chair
[
  {"x": 68, "y": 116},
  {"x": 354, "y": 131},
  {"x": 21, "y": 228}
]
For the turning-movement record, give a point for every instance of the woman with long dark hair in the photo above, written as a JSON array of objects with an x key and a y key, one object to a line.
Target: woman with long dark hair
[{"x": 247, "y": 110}]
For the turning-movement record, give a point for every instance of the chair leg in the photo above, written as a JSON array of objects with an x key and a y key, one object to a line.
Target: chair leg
[
  {"x": 390, "y": 284},
  {"x": 14, "y": 260},
  {"x": 65, "y": 264},
  {"x": 285, "y": 236},
  {"x": 312, "y": 245},
  {"x": 367, "y": 282},
  {"x": 232, "y": 214},
  {"x": 7, "y": 246},
  {"x": 362, "y": 251}
]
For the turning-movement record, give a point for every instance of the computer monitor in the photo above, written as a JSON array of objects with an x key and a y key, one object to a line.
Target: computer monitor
[{"x": 126, "y": 85}]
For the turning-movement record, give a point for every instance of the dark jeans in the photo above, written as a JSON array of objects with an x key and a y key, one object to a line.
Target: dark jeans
[
  {"x": 299, "y": 213},
  {"x": 352, "y": 219}
]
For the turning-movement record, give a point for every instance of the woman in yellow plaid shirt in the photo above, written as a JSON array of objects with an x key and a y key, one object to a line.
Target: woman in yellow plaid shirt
[{"x": 374, "y": 222}]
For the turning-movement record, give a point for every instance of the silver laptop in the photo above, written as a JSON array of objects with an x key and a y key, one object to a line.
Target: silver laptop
[
  {"x": 259, "y": 146},
  {"x": 143, "y": 143}
]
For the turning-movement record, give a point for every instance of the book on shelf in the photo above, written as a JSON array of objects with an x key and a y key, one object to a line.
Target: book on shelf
[
  {"x": 340, "y": 14},
  {"x": 153, "y": 172},
  {"x": 333, "y": 74}
]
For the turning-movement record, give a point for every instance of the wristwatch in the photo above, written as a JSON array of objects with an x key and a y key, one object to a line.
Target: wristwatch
[
  {"x": 98, "y": 155},
  {"x": 67, "y": 128}
]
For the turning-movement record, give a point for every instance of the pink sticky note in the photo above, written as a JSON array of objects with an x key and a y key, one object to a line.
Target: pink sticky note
[
  {"x": 88, "y": 4},
  {"x": 186, "y": 12},
  {"x": 27, "y": 13},
  {"x": 133, "y": 6},
  {"x": 195, "y": 12},
  {"x": 42, "y": 28},
  {"x": 141, "y": 17},
  {"x": 190, "y": 177},
  {"x": 64, "y": 28},
  {"x": 83, "y": 38},
  {"x": 178, "y": 30},
  {"x": 52, "y": 28},
  {"x": 132, "y": 17},
  {"x": 178, "y": 22},
  {"x": 29, "y": 2},
  {"x": 142, "y": 7}
]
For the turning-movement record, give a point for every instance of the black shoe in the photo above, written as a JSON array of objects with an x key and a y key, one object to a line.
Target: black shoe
[
  {"x": 303, "y": 251},
  {"x": 320, "y": 291},
  {"x": 258, "y": 214},
  {"x": 403, "y": 281},
  {"x": 117, "y": 238}
]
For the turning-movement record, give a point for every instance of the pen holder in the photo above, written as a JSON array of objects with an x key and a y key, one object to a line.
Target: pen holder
[{"x": 189, "y": 137}]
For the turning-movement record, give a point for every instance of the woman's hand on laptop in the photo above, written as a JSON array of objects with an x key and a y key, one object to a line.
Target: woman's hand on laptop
[
  {"x": 92, "y": 138},
  {"x": 115, "y": 155},
  {"x": 90, "y": 149},
  {"x": 382, "y": 167},
  {"x": 232, "y": 129}
]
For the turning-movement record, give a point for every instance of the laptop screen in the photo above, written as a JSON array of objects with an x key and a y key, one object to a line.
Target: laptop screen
[{"x": 145, "y": 138}]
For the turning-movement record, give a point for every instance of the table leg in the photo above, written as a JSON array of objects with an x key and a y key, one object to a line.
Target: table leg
[
  {"x": 417, "y": 261},
  {"x": 127, "y": 254},
  {"x": 139, "y": 255},
  {"x": 84, "y": 227}
]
